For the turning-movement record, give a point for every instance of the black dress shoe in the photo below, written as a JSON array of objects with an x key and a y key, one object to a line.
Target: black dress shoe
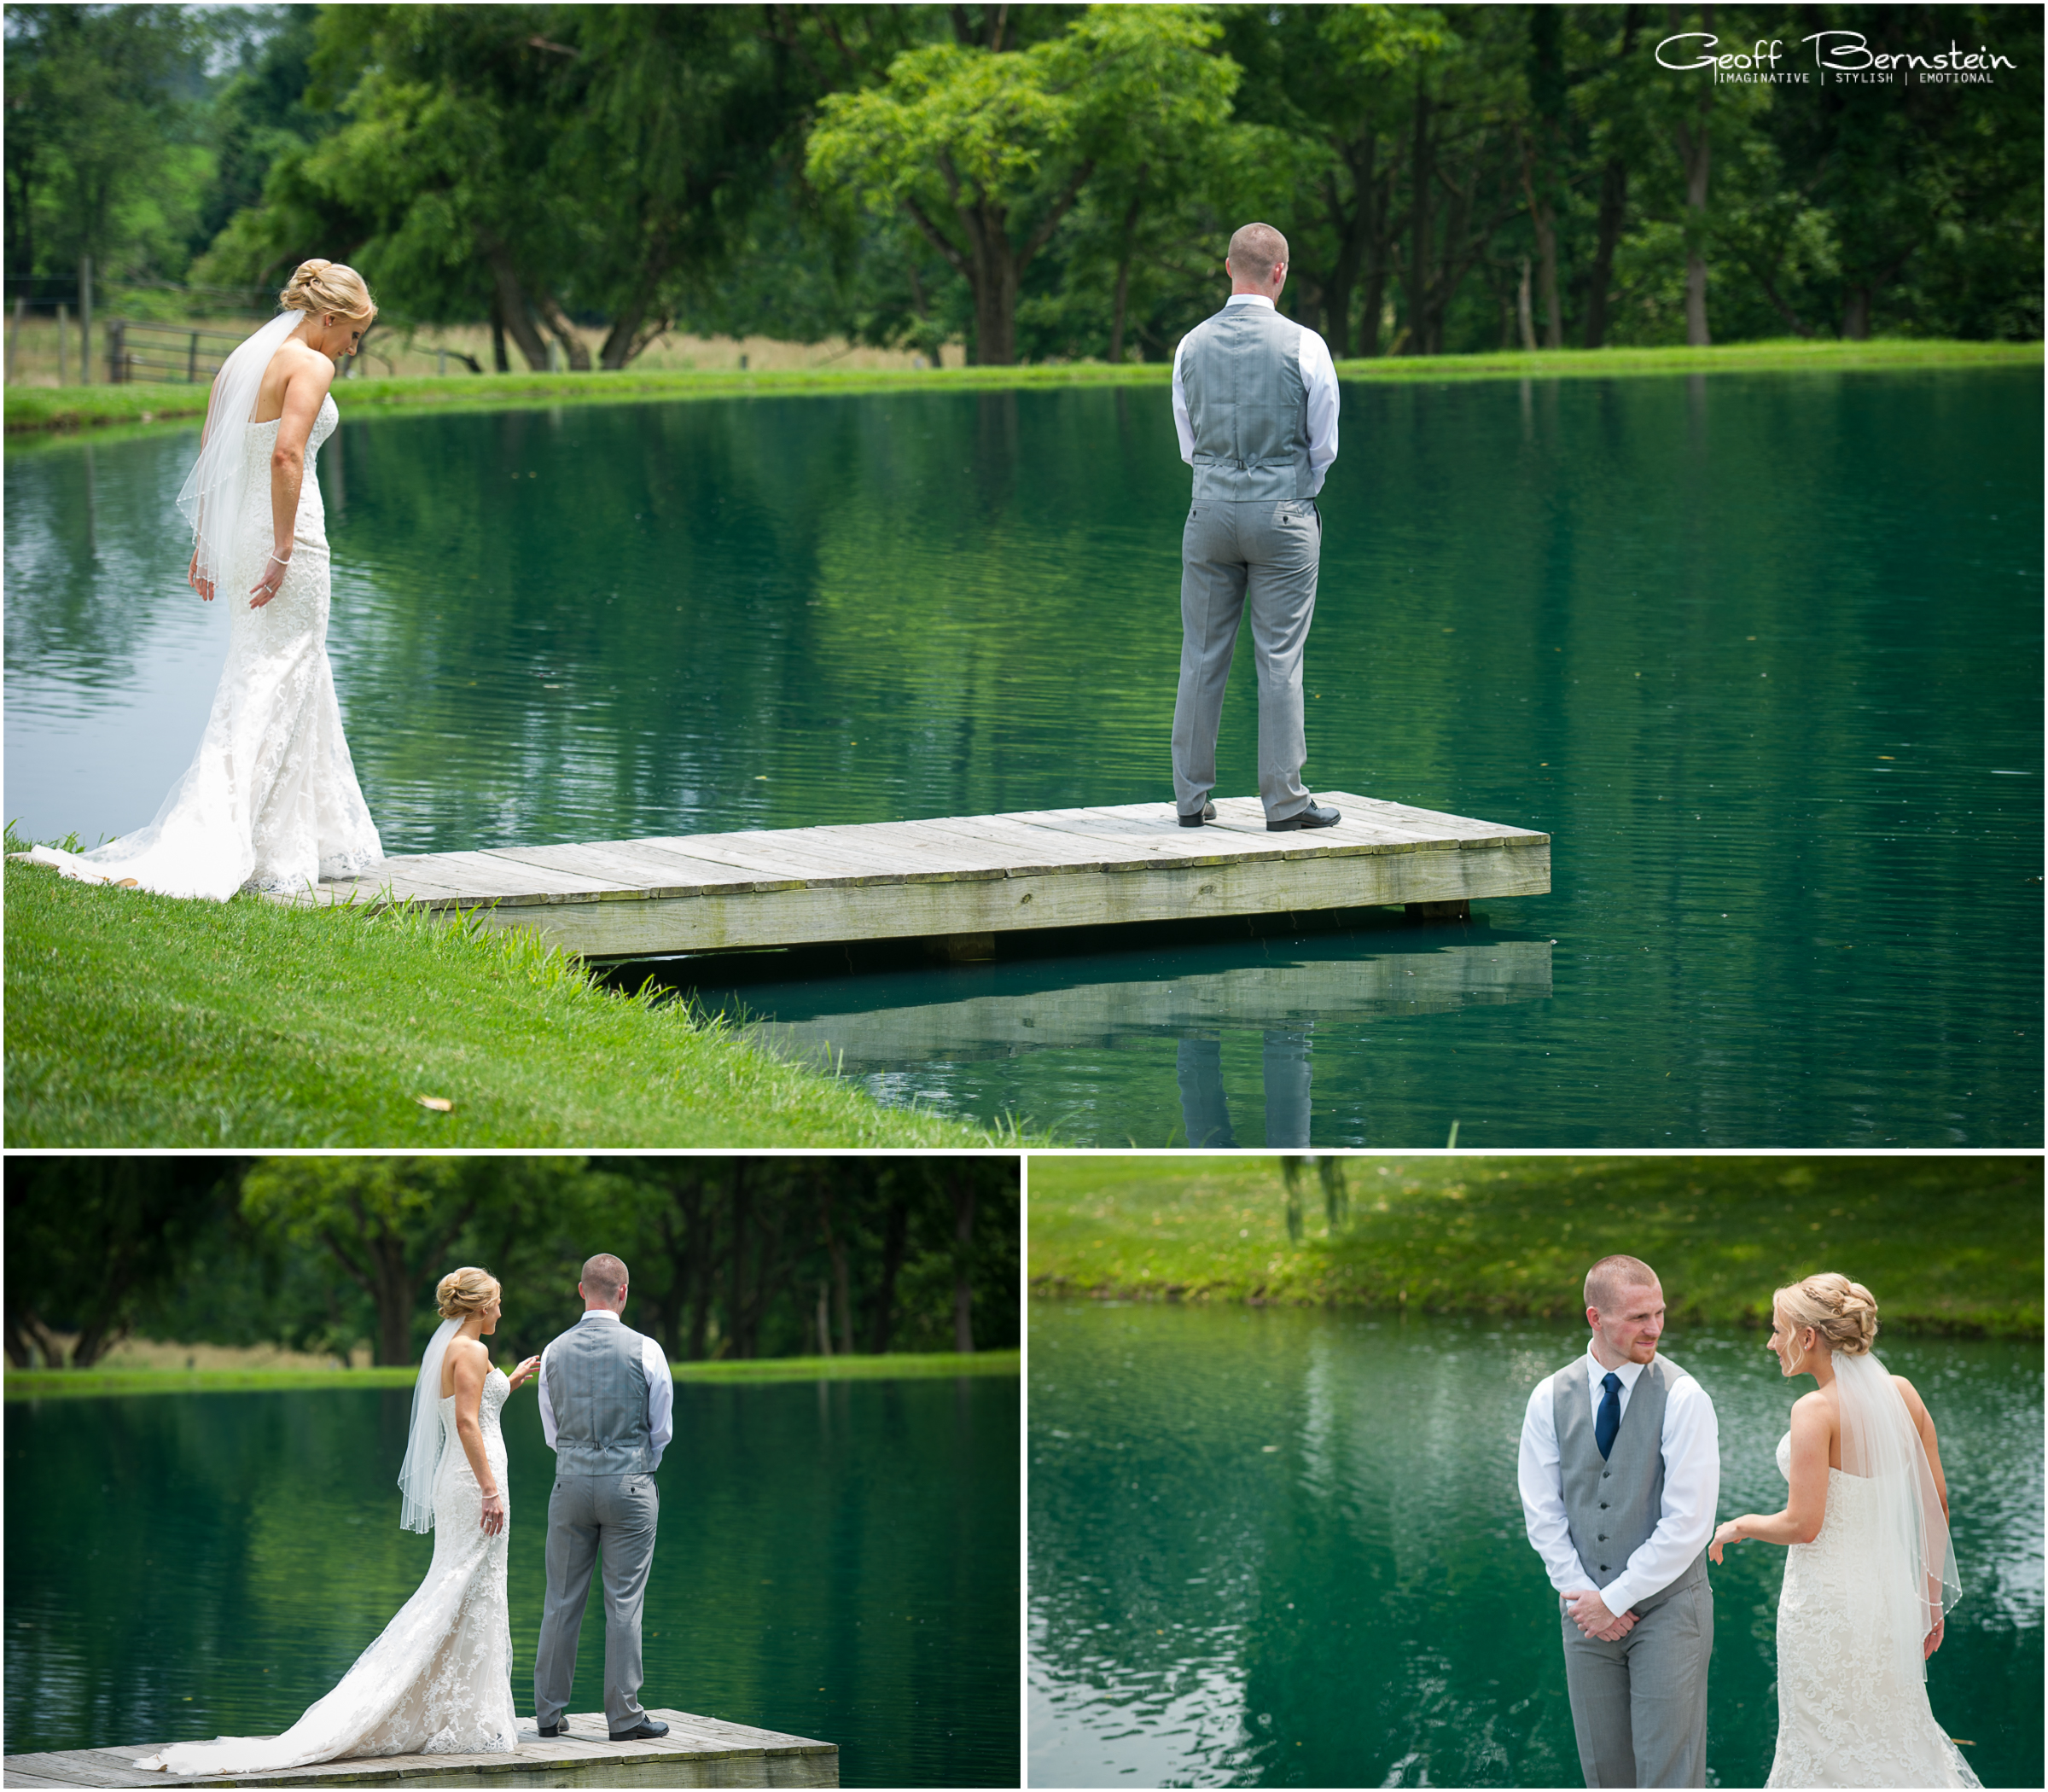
[
  {"x": 643, "y": 1731},
  {"x": 1314, "y": 815},
  {"x": 1208, "y": 814},
  {"x": 558, "y": 1727}
]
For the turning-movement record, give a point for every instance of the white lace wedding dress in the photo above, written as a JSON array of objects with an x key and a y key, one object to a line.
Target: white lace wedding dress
[
  {"x": 439, "y": 1681},
  {"x": 271, "y": 802},
  {"x": 1842, "y": 1719}
]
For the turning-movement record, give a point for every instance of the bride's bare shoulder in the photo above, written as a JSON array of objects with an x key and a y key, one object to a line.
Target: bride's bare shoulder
[{"x": 1911, "y": 1395}]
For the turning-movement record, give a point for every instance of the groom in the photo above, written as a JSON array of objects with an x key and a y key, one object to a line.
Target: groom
[
  {"x": 1620, "y": 1471},
  {"x": 1256, "y": 408},
  {"x": 606, "y": 1407}
]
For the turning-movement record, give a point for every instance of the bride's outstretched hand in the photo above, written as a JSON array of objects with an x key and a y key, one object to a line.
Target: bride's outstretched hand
[
  {"x": 1724, "y": 1535},
  {"x": 265, "y": 588},
  {"x": 526, "y": 1370}
]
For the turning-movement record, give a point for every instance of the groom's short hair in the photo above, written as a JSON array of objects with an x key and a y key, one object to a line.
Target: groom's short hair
[
  {"x": 604, "y": 1274},
  {"x": 1606, "y": 1280},
  {"x": 1255, "y": 250}
]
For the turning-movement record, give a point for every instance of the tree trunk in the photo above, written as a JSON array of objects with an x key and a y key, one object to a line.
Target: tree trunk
[
  {"x": 734, "y": 1342},
  {"x": 1123, "y": 281},
  {"x": 1545, "y": 225},
  {"x": 512, "y": 306},
  {"x": 1422, "y": 178},
  {"x": 963, "y": 1290},
  {"x": 1614, "y": 209},
  {"x": 895, "y": 1234},
  {"x": 572, "y": 345},
  {"x": 500, "y": 361},
  {"x": 1524, "y": 322},
  {"x": 1378, "y": 263},
  {"x": 703, "y": 1271},
  {"x": 1856, "y": 314},
  {"x": 1695, "y": 152}
]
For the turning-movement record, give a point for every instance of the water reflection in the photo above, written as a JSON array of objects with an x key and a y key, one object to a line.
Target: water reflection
[
  {"x": 1284, "y": 1548},
  {"x": 885, "y": 1023},
  {"x": 1762, "y": 653},
  {"x": 837, "y": 1561}
]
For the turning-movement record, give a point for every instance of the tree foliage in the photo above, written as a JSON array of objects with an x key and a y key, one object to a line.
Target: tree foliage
[
  {"x": 1039, "y": 183},
  {"x": 730, "y": 1257}
]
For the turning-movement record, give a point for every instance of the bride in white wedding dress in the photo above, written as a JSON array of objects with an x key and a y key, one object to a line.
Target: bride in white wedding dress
[
  {"x": 439, "y": 1681},
  {"x": 270, "y": 801},
  {"x": 1869, "y": 1574}
]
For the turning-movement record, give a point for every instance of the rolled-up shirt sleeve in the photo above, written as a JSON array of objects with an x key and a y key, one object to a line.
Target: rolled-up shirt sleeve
[
  {"x": 547, "y": 1406},
  {"x": 1542, "y": 1483},
  {"x": 660, "y": 1398},
  {"x": 1692, "y": 1490},
  {"x": 1319, "y": 375}
]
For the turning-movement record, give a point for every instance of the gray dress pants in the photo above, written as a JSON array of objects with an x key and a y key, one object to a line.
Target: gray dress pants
[
  {"x": 1265, "y": 556},
  {"x": 614, "y": 1514},
  {"x": 1639, "y": 1706}
]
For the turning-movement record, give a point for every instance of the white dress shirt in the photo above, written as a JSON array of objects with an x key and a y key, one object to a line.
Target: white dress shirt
[
  {"x": 1691, "y": 1444},
  {"x": 660, "y": 1388},
  {"x": 1318, "y": 374}
]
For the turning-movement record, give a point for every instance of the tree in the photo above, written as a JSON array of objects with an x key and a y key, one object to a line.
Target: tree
[
  {"x": 90, "y": 1241},
  {"x": 389, "y": 1224},
  {"x": 987, "y": 150},
  {"x": 99, "y": 161}
]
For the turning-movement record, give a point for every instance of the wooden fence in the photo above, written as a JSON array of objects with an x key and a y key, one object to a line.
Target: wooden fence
[{"x": 137, "y": 350}]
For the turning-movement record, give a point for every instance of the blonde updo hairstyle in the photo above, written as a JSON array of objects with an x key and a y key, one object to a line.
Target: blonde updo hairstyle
[
  {"x": 463, "y": 1291},
  {"x": 326, "y": 286},
  {"x": 1844, "y": 1313}
]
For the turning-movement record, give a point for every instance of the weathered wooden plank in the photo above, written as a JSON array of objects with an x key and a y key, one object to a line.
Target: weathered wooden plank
[
  {"x": 813, "y": 914},
  {"x": 965, "y": 874},
  {"x": 698, "y": 1751}
]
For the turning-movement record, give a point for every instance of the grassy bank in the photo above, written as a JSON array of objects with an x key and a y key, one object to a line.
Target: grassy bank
[
  {"x": 1946, "y": 1244},
  {"x": 44, "y": 1384},
  {"x": 72, "y": 407},
  {"x": 141, "y": 1020}
]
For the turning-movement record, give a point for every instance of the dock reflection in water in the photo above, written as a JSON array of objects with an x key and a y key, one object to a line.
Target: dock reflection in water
[{"x": 915, "y": 1032}]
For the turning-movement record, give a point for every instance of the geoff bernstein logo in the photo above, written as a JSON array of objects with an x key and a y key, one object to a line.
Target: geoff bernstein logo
[{"x": 1838, "y": 55}]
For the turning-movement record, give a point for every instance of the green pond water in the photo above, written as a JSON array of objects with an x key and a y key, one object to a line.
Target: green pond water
[
  {"x": 1285, "y": 1548},
  {"x": 1762, "y": 652},
  {"x": 837, "y": 1560}
]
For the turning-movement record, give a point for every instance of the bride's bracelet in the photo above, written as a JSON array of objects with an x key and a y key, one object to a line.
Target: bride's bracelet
[{"x": 281, "y": 560}]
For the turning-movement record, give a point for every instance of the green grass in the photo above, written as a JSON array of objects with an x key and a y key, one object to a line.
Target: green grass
[
  {"x": 1946, "y": 1244},
  {"x": 141, "y": 1020},
  {"x": 72, "y": 407},
  {"x": 41, "y": 1384}
]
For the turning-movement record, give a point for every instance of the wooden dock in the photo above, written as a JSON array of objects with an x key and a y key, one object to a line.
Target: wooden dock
[
  {"x": 697, "y": 1751},
  {"x": 962, "y": 879},
  {"x": 1282, "y": 997}
]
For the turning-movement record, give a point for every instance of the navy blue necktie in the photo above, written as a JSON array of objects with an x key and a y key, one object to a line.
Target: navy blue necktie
[{"x": 1608, "y": 1421}]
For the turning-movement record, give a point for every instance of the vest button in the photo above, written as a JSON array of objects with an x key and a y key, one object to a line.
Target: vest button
[{"x": 1603, "y": 1505}]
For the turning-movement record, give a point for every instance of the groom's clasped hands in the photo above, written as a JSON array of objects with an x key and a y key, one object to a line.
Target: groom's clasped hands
[{"x": 1589, "y": 1612}]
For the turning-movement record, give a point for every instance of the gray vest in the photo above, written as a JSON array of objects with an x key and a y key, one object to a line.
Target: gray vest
[
  {"x": 1611, "y": 1506},
  {"x": 1241, "y": 374},
  {"x": 597, "y": 1388}
]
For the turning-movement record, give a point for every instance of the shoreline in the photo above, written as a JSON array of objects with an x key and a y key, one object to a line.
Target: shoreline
[
  {"x": 2020, "y": 1327},
  {"x": 144, "y": 1020},
  {"x": 30, "y": 1384},
  {"x": 1949, "y": 1246},
  {"x": 48, "y": 411}
]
